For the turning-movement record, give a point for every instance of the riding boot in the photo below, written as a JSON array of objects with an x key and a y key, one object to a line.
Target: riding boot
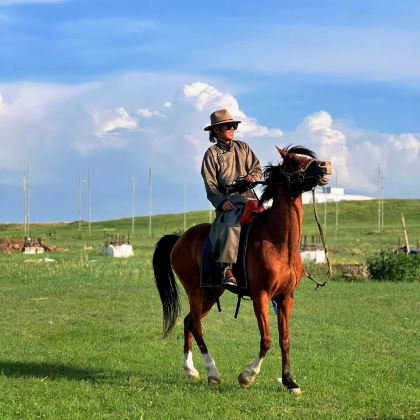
[{"x": 229, "y": 279}]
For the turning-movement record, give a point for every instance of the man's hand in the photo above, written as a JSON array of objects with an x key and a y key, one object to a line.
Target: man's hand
[
  {"x": 250, "y": 178},
  {"x": 228, "y": 205}
]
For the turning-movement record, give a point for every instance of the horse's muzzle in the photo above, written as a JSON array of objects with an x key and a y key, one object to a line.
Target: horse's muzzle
[
  {"x": 325, "y": 169},
  {"x": 326, "y": 166}
]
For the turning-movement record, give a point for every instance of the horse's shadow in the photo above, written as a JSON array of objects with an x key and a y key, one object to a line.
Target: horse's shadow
[
  {"x": 53, "y": 371},
  {"x": 43, "y": 370}
]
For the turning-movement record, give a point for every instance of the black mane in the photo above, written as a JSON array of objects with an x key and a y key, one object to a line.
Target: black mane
[
  {"x": 302, "y": 150},
  {"x": 272, "y": 173}
]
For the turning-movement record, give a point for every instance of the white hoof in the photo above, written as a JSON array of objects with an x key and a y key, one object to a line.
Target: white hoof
[
  {"x": 250, "y": 372},
  {"x": 192, "y": 374},
  {"x": 246, "y": 377},
  {"x": 295, "y": 391}
]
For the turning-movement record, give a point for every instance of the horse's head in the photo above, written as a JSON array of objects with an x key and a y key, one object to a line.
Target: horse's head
[
  {"x": 301, "y": 167},
  {"x": 300, "y": 171}
]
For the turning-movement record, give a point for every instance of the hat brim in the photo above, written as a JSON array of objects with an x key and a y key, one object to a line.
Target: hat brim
[{"x": 208, "y": 128}]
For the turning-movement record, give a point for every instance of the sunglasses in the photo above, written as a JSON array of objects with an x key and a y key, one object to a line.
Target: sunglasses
[{"x": 229, "y": 126}]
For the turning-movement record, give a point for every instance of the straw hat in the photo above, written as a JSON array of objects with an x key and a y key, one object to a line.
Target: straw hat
[{"x": 222, "y": 116}]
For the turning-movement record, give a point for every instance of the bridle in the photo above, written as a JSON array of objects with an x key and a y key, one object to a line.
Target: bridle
[
  {"x": 289, "y": 178},
  {"x": 298, "y": 176}
]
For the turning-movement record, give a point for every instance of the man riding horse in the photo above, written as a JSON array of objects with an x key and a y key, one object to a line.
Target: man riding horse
[
  {"x": 273, "y": 264},
  {"x": 223, "y": 163}
]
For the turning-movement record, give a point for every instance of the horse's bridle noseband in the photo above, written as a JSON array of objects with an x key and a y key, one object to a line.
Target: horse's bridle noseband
[{"x": 298, "y": 175}]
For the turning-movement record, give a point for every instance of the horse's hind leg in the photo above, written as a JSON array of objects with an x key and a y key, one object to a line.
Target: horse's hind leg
[
  {"x": 284, "y": 307},
  {"x": 189, "y": 367},
  {"x": 199, "y": 309}
]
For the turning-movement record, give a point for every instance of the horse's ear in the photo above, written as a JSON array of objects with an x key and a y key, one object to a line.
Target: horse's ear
[{"x": 282, "y": 152}]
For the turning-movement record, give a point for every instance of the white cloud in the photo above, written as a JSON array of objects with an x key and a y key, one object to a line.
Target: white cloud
[
  {"x": 118, "y": 124},
  {"x": 202, "y": 94},
  {"x": 58, "y": 130},
  {"x": 407, "y": 143},
  {"x": 2, "y": 103},
  {"x": 147, "y": 113},
  {"x": 318, "y": 131},
  {"x": 356, "y": 154},
  {"x": 35, "y": 122},
  {"x": 204, "y": 97}
]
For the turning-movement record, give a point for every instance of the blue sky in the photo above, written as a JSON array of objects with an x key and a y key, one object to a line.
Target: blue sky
[{"x": 121, "y": 86}]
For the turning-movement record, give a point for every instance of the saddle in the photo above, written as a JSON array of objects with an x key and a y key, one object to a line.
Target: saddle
[{"x": 211, "y": 271}]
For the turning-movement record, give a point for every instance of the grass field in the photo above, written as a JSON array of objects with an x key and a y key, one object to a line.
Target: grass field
[{"x": 80, "y": 337}]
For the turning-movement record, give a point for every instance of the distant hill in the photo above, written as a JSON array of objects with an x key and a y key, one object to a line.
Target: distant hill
[{"x": 350, "y": 227}]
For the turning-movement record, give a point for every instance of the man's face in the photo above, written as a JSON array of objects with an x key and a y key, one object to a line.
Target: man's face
[{"x": 225, "y": 132}]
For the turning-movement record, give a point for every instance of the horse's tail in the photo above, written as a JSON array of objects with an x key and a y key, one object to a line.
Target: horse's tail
[{"x": 165, "y": 282}]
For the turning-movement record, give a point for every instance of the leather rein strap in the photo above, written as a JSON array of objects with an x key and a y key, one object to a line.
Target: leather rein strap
[{"x": 321, "y": 234}]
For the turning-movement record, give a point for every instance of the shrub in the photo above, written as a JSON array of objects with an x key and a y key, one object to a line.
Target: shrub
[{"x": 394, "y": 266}]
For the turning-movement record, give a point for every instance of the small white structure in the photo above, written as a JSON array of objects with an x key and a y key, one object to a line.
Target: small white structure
[
  {"x": 33, "y": 250},
  {"x": 118, "y": 251},
  {"x": 317, "y": 256},
  {"x": 331, "y": 194}
]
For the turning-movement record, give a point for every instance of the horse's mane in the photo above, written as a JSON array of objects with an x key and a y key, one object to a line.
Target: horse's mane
[{"x": 272, "y": 174}]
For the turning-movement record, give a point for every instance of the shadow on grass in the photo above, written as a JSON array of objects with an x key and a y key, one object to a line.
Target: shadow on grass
[{"x": 57, "y": 371}]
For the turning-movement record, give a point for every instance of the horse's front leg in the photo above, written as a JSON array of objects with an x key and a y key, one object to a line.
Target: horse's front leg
[
  {"x": 284, "y": 309},
  {"x": 250, "y": 372}
]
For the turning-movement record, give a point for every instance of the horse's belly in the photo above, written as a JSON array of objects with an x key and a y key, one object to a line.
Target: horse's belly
[{"x": 185, "y": 256}]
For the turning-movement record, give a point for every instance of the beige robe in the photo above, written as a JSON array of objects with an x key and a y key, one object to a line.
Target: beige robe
[{"x": 221, "y": 166}]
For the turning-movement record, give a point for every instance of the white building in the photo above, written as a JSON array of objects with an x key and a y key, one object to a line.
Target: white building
[{"x": 331, "y": 194}]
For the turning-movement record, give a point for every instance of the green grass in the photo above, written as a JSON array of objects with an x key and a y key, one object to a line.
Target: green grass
[{"x": 81, "y": 339}]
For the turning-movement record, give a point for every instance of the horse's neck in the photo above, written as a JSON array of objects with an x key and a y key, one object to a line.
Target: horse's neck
[{"x": 286, "y": 218}]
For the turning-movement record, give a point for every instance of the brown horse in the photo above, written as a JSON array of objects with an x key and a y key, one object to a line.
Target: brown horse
[{"x": 273, "y": 265}]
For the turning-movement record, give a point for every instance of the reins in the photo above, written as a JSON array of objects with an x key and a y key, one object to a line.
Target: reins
[{"x": 321, "y": 234}]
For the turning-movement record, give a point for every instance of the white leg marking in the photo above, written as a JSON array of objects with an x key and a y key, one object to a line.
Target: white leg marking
[
  {"x": 293, "y": 391},
  {"x": 256, "y": 364},
  {"x": 212, "y": 372},
  {"x": 250, "y": 372},
  {"x": 190, "y": 370}
]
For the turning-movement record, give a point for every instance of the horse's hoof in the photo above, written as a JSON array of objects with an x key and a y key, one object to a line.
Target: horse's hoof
[
  {"x": 193, "y": 375},
  {"x": 245, "y": 380},
  {"x": 290, "y": 385},
  {"x": 213, "y": 380},
  {"x": 295, "y": 391}
]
